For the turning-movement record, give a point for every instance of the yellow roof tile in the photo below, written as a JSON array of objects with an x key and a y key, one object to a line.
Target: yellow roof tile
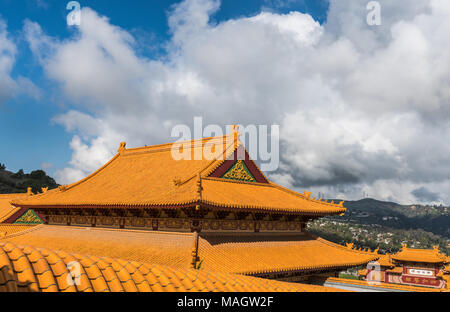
[
  {"x": 6, "y": 209},
  {"x": 254, "y": 253},
  {"x": 151, "y": 177}
]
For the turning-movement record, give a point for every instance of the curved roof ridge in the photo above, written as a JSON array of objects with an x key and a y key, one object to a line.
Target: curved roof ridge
[
  {"x": 13, "y": 194},
  {"x": 303, "y": 196},
  {"x": 237, "y": 181},
  {"x": 166, "y": 145},
  {"x": 26, "y": 231},
  {"x": 233, "y": 145},
  {"x": 324, "y": 241},
  {"x": 9, "y": 213},
  {"x": 129, "y": 151},
  {"x": 68, "y": 187}
]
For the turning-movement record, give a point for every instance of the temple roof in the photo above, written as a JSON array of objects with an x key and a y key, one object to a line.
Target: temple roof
[
  {"x": 6, "y": 209},
  {"x": 420, "y": 255},
  {"x": 396, "y": 270},
  {"x": 385, "y": 260},
  {"x": 254, "y": 254},
  {"x": 10, "y": 229},
  {"x": 151, "y": 177},
  {"x": 26, "y": 268}
]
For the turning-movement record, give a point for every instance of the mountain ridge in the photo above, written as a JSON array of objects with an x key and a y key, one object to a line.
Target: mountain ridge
[{"x": 19, "y": 182}]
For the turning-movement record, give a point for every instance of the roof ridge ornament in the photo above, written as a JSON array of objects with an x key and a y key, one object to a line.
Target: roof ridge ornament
[
  {"x": 29, "y": 191},
  {"x": 235, "y": 130},
  {"x": 177, "y": 181},
  {"x": 307, "y": 194},
  {"x": 122, "y": 147},
  {"x": 236, "y": 134}
]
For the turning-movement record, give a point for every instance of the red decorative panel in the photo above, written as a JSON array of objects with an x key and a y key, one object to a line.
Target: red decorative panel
[
  {"x": 422, "y": 281},
  {"x": 251, "y": 166}
]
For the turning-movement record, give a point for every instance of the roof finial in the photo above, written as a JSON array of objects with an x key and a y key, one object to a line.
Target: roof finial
[
  {"x": 177, "y": 181},
  {"x": 29, "y": 191},
  {"x": 122, "y": 147},
  {"x": 235, "y": 132}
]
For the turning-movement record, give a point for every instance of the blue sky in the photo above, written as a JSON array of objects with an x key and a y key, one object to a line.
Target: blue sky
[
  {"x": 362, "y": 108},
  {"x": 28, "y": 136}
]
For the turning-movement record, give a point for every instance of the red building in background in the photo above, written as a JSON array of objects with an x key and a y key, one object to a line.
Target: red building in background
[{"x": 417, "y": 267}]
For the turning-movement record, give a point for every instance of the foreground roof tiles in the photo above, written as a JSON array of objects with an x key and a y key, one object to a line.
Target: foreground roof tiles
[
  {"x": 151, "y": 177},
  {"x": 253, "y": 254},
  {"x": 30, "y": 269}
]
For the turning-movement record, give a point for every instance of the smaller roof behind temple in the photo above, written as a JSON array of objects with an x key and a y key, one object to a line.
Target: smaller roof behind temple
[
  {"x": 420, "y": 255},
  {"x": 152, "y": 177},
  {"x": 243, "y": 254}
]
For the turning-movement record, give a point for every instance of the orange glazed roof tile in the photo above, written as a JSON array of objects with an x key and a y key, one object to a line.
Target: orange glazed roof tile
[
  {"x": 362, "y": 272},
  {"x": 30, "y": 269},
  {"x": 6, "y": 230},
  {"x": 262, "y": 254},
  {"x": 396, "y": 270},
  {"x": 420, "y": 255},
  {"x": 152, "y": 177},
  {"x": 6, "y": 209},
  {"x": 245, "y": 253},
  {"x": 385, "y": 260}
]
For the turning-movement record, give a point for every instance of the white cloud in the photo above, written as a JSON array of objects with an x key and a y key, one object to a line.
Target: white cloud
[
  {"x": 10, "y": 87},
  {"x": 361, "y": 108},
  {"x": 8, "y": 51}
]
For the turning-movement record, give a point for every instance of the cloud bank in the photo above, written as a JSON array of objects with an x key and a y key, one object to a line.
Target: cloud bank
[
  {"x": 9, "y": 86},
  {"x": 361, "y": 108}
]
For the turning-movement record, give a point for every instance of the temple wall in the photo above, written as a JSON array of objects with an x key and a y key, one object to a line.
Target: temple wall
[{"x": 178, "y": 224}]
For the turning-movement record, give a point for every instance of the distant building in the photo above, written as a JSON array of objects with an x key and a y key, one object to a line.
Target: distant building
[{"x": 416, "y": 267}]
